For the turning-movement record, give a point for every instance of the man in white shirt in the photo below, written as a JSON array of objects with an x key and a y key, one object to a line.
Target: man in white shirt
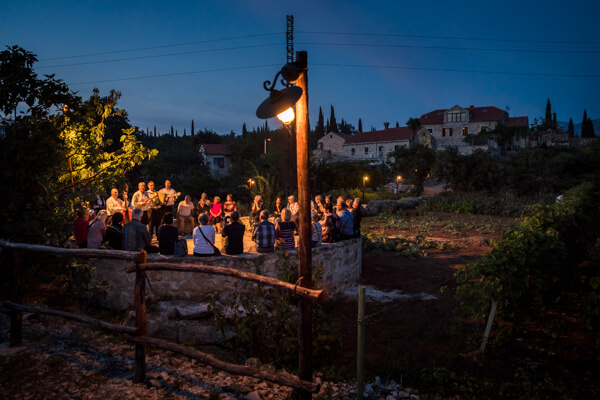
[
  {"x": 154, "y": 212},
  {"x": 170, "y": 197},
  {"x": 141, "y": 200},
  {"x": 184, "y": 213},
  {"x": 114, "y": 203}
]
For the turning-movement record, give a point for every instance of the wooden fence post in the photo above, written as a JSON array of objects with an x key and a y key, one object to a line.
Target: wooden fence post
[
  {"x": 16, "y": 316},
  {"x": 140, "y": 318}
]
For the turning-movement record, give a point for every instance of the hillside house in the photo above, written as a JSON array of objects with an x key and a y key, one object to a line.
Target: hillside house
[
  {"x": 376, "y": 145},
  {"x": 217, "y": 158}
]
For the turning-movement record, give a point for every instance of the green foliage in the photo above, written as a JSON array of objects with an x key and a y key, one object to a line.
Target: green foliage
[
  {"x": 414, "y": 164},
  {"x": 591, "y": 311},
  {"x": 410, "y": 248},
  {"x": 265, "y": 322},
  {"x": 47, "y": 132},
  {"x": 529, "y": 266}
]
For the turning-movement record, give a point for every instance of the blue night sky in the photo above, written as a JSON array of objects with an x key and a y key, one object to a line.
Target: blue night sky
[{"x": 411, "y": 57}]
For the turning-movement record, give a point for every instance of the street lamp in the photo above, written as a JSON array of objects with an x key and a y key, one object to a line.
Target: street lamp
[
  {"x": 365, "y": 179},
  {"x": 398, "y": 179},
  {"x": 267, "y": 140},
  {"x": 280, "y": 103}
]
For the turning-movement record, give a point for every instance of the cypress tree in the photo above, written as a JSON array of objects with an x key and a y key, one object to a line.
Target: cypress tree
[
  {"x": 360, "y": 125},
  {"x": 172, "y": 131},
  {"x": 584, "y": 125},
  {"x": 397, "y": 124},
  {"x": 548, "y": 118},
  {"x": 184, "y": 132},
  {"x": 176, "y": 133},
  {"x": 192, "y": 132},
  {"x": 266, "y": 126},
  {"x": 332, "y": 121},
  {"x": 154, "y": 130},
  {"x": 571, "y": 128},
  {"x": 327, "y": 127},
  {"x": 554, "y": 122},
  {"x": 244, "y": 130},
  {"x": 320, "y": 128}
]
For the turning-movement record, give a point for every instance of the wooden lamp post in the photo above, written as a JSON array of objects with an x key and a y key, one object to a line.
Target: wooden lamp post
[{"x": 280, "y": 103}]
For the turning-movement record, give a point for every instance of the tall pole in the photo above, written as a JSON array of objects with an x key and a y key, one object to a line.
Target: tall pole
[{"x": 304, "y": 249}]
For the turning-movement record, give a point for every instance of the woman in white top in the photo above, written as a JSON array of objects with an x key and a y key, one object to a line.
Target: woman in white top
[
  {"x": 204, "y": 237},
  {"x": 97, "y": 230}
]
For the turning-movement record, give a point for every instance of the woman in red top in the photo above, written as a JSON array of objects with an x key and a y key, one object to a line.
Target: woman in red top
[{"x": 216, "y": 213}]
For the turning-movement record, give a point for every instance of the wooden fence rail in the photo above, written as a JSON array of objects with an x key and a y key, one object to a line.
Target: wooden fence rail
[{"x": 15, "y": 308}]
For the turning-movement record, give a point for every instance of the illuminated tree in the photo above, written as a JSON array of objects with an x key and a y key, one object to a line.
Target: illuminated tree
[{"x": 54, "y": 150}]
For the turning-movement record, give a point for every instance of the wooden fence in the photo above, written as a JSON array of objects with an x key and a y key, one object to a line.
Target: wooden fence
[{"x": 138, "y": 335}]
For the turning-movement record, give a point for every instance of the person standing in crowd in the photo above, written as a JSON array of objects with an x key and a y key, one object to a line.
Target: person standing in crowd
[
  {"x": 204, "y": 238},
  {"x": 170, "y": 197},
  {"x": 284, "y": 231},
  {"x": 216, "y": 213},
  {"x": 234, "y": 235},
  {"x": 294, "y": 208},
  {"x": 264, "y": 234},
  {"x": 347, "y": 223},
  {"x": 328, "y": 224},
  {"x": 278, "y": 210},
  {"x": 135, "y": 234},
  {"x": 257, "y": 207},
  {"x": 167, "y": 235},
  {"x": 80, "y": 228},
  {"x": 97, "y": 230},
  {"x": 319, "y": 206},
  {"x": 154, "y": 212},
  {"x": 316, "y": 236},
  {"x": 141, "y": 201},
  {"x": 184, "y": 213},
  {"x": 357, "y": 215},
  {"x": 114, "y": 232}
]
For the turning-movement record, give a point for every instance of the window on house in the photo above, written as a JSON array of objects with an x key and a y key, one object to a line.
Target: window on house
[
  {"x": 455, "y": 116},
  {"x": 330, "y": 136},
  {"x": 430, "y": 130},
  {"x": 321, "y": 145},
  {"x": 219, "y": 162},
  {"x": 465, "y": 130},
  {"x": 380, "y": 151},
  {"x": 352, "y": 151},
  {"x": 484, "y": 129},
  {"x": 447, "y": 132},
  {"x": 366, "y": 150}
]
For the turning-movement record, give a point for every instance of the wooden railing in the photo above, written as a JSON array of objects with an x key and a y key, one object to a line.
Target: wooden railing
[{"x": 138, "y": 335}]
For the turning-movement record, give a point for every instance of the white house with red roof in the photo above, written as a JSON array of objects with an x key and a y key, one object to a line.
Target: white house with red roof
[
  {"x": 376, "y": 145},
  {"x": 217, "y": 158}
]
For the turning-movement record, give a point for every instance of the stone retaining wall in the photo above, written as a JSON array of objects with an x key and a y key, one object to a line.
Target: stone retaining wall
[{"x": 341, "y": 263}]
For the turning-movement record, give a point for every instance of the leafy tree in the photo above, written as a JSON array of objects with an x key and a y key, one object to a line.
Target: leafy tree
[
  {"x": 360, "y": 129},
  {"x": 414, "y": 124},
  {"x": 473, "y": 172},
  {"x": 414, "y": 164},
  {"x": 54, "y": 150},
  {"x": 571, "y": 128},
  {"x": 332, "y": 121},
  {"x": 346, "y": 128}
]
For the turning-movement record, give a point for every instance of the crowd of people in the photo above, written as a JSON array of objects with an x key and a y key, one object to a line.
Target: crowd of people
[{"x": 117, "y": 223}]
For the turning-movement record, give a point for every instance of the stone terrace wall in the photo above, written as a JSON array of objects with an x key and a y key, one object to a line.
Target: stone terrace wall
[{"x": 341, "y": 263}]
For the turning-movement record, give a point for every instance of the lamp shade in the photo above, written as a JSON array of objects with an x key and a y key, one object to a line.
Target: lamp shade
[{"x": 278, "y": 101}]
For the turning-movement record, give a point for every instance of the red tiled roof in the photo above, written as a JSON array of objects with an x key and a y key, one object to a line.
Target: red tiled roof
[
  {"x": 517, "y": 121},
  {"x": 386, "y": 135},
  {"x": 216, "y": 149},
  {"x": 477, "y": 114}
]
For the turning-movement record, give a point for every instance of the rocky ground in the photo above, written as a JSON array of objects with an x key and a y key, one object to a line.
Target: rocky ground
[{"x": 66, "y": 360}]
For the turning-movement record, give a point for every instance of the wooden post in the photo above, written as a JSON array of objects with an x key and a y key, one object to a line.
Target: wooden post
[
  {"x": 304, "y": 248},
  {"x": 140, "y": 319},
  {"x": 488, "y": 328},
  {"x": 16, "y": 316},
  {"x": 360, "y": 345}
]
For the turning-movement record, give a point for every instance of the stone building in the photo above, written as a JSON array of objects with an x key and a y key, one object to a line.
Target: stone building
[
  {"x": 376, "y": 145},
  {"x": 449, "y": 126},
  {"x": 331, "y": 146}
]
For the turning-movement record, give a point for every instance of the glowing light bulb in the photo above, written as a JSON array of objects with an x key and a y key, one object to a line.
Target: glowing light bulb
[{"x": 287, "y": 116}]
